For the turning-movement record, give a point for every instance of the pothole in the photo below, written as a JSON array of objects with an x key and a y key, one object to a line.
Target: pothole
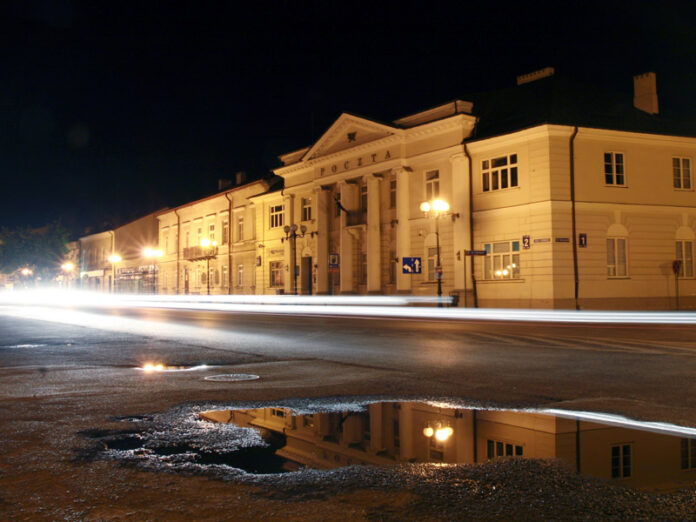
[
  {"x": 327, "y": 434},
  {"x": 231, "y": 377}
]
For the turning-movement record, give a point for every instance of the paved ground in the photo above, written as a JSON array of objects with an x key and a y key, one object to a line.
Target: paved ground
[{"x": 58, "y": 379}]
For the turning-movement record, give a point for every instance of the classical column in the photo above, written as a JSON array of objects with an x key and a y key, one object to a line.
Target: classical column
[
  {"x": 289, "y": 245},
  {"x": 322, "y": 206},
  {"x": 403, "y": 228},
  {"x": 374, "y": 257},
  {"x": 461, "y": 228},
  {"x": 349, "y": 200}
]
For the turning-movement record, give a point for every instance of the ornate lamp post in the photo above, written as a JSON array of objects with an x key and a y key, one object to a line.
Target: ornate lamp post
[
  {"x": 209, "y": 252},
  {"x": 113, "y": 259},
  {"x": 292, "y": 235},
  {"x": 436, "y": 209}
]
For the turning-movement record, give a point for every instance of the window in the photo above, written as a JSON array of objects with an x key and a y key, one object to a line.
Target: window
[
  {"x": 616, "y": 257},
  {"x": 621, "y": 461},
  {"x": 363, "y": 198},
  {"x": 306, "y": 209},
  {"x": 275, "y": 270},
  {"x": 188, "y": 235},
  {"x": 211, "y": 232},
  {"x": 685, "y": 254},
  {"x": 211, "y": 275},
  {"x": 392, "y": 193},
  {"x": 225, "y": 231},
  {"x": 240, "y": 228},
  {"x": 432, "y": 263},
  {"x": 200, "y": 235},
  {"x": 614, "y": 168},
  {"x": 276, "y": 216},
  {"x": 240, "y": 275},
  {"x": 499, "y": 173},
  {"x": 496, "y": 448},
  {"x": 392, "y": 267},
  {"x": 502, "y": 260},
  {"x": 432, "y": 185},
  {"x": 277, "y": 412},
  {"x": 688, "y": 454},
  {"x": 338, "y": 204},
  {"x": 166, "y": 243},
  {"x": 681, "y": 172},
  {"x": 224, "y": 276}
]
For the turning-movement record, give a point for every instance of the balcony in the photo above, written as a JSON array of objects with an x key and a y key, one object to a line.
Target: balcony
[{"x": 199, "y": 253}]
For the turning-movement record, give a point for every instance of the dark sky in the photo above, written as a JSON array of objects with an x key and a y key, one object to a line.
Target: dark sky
[{"x": 111, "y": 110}]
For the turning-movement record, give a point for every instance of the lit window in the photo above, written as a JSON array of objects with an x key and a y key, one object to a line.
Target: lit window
[
  {"x": 499, "y": 173},
  {"x": 432, "y": 185},
  {"x": 306, "y": 209},
  {"x": 502, "y": 260},
  {"x": 621, "y": 461},
  {"x": 685, "y": 254},
  {"x": 225, "y": 231},
  {"x": 681, "y": 172},
  {"x": 496, "y": 448},
  {"x": 276, "y": 216},
  {"x": 240, "y": 228},
  {"x": 614, "y": 173},
  {"x": 275, "y": 270},
  {"x": 617, "y": 265},
  {"x": 688, "y": 454}
]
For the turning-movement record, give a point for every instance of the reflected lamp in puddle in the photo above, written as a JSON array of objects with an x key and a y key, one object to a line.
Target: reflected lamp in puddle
[{"x": 390, "y": 433}]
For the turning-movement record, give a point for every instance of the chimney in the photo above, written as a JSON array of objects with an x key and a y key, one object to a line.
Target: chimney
[
  {"x": 224, "y": 184},
  {"x": 240, "y": 178},
  {"x": 645, "y": 92}
]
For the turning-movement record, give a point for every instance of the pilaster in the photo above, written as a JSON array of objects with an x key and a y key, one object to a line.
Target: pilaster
[
  {"x": 322, "y": 209},
  {"x": 461, "y": 227},
  {"x": 374, "y": 265}
]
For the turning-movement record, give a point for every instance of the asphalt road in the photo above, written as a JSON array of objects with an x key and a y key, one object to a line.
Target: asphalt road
[{"x": 63, "y": 371}]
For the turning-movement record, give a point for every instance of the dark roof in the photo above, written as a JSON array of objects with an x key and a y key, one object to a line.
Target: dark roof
[{"x": 558, "y": 100}]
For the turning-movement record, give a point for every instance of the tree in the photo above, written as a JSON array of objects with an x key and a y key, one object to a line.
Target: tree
[{"x": 41, "y": 249}]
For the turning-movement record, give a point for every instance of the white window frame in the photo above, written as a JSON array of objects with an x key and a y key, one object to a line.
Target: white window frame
[
  {"x": 276, "y": 274},
  {"x": 240, "y": 275},
  {"x": 211, "y": 232},
  {"x": 306, "y": 209},
  {"x": 613, "y": 163},
  {"x": 684, "y": 252},
  {"x": 225, "y": 231},
  {"x": 432, "y": 185},
  {"x": 681, "y": 173},
  {"x": 500, "y": 173},
  {"x": 224, "y": 276},
  {"x": 240, "y": 228},
  {"x": 502, "y": 261},
  {"x": 622, "y": 457},
  {"x": 276, "y": 216},
  {"x": 613, "y": 261},
  {"x": 431, "y": 263}
]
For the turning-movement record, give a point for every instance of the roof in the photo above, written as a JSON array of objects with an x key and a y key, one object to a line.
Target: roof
[{"x": 558, "y": 100}]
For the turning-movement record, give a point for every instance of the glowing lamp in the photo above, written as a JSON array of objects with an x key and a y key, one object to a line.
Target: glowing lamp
[
  {"x": 26, "y": 271},
  {"x": 425, "y": 206},
  {"x": 440, "y": 205},
  {"x": 115, "y": 258},
  {"x": 442, "y": 434},
  {"x": 67, "y": 267},
  {"x": 428, "y": 431}
]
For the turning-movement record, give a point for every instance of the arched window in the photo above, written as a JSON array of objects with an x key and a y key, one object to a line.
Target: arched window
[{"x": 617, "y": 251}]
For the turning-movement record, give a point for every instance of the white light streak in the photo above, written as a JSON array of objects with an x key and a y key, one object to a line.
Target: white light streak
[{"x": 365, "y": 306}]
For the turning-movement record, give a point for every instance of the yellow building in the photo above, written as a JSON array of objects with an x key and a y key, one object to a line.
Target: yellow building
[
  {"x": 575, "y": 198},
  {"x": 96, "y": 271},
  {"x": 210, "y": 245}
]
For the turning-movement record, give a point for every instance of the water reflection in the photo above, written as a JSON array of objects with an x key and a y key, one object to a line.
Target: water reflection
[{"x": 394, "y": 432}]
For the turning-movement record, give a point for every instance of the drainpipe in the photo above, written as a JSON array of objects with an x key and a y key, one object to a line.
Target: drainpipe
[
  {"x": 229, "y": 243},
  {"x": 178, "y": 250},
  {"x": 573, "y": 217},
  {"x": 471, "y": 226}
]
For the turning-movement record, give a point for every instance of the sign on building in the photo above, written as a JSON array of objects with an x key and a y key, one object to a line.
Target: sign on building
[
  {"x": 334, "y": 262},
  {"x": 411, "y": 265},
  {"x": 526, "y": 242},
  {"x": 582, "y": 240}
]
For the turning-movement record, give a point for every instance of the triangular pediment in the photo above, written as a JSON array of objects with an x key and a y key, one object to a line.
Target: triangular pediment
[{"x": 348, "y": 131}]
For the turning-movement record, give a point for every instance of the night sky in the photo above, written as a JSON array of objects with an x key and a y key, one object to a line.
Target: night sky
[{"x": 111, "y": 110}]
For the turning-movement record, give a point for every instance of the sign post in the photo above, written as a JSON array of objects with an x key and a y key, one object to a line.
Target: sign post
[{"x": 676, "y": 268}]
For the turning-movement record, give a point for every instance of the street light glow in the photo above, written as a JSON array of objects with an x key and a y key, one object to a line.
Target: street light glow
[
  {"x": 115, "y": 258},
  {"x": 425, "y": 207},
  {"x": 27, "y": 271},
  {"x": 440, "y": 205},
  {"x": 67, "y": 267},
  {"x": 152, "y": 252}
]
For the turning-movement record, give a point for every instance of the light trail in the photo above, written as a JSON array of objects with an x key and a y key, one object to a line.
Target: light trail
[{"x": 354, "y": 306}]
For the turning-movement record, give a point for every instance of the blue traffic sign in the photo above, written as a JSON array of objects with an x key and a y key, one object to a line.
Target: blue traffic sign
[{"x": 411, "y": 265}]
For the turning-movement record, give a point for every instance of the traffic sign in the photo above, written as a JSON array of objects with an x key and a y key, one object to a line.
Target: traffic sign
[
  {"x": 411, "y": 265},
  {"x": 475, "y": 252},
  {"x": 333, "y": 260}
]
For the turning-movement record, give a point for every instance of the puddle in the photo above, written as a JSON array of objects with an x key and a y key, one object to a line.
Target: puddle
[
  {"x": 159, "y": 368},
  {"x": 232, "y": 377},
  {"x": 325, "y": 435}
]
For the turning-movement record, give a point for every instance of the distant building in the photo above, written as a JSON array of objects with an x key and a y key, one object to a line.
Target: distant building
[{"x": 95, "y": 270}]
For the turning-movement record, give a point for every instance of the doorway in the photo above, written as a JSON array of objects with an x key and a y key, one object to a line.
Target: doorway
[{"x": 306, "y": 272}]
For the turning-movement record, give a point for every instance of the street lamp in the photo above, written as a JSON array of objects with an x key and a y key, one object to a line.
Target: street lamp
[
  {"x": 292, "y": 235},
  {"x": 113, "y": 259},
  {"x": 436, "y": 209},
  {"x": 67, "y": 268},
  {"x": 209, "y": 252}
]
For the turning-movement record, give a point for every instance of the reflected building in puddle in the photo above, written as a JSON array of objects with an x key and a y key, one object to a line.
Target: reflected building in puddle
[{"x": 402, "y": 432}]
